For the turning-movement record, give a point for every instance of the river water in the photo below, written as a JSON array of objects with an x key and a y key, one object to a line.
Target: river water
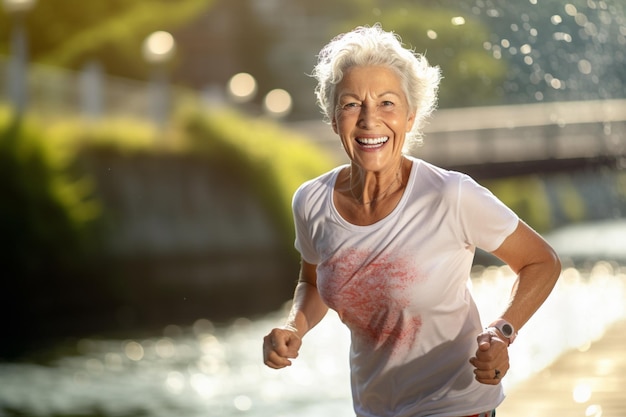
[{"x": 216, "y": 370}]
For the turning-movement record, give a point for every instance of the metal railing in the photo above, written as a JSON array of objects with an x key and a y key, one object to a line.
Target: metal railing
[
  {"x": 474, "y": 135},
  {"x": 53, "y": 91},
  {"x": 509, "y": 133}
]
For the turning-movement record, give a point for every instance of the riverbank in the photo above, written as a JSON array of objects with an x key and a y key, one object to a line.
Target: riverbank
[
  {"x": 214, "y": 369},
  {"x": 588, "y": 382}
]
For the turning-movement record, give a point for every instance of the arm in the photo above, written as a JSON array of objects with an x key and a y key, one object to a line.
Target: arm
[
  {"x": 308, "y": 309},
  {"x": 537, "y": 267}
]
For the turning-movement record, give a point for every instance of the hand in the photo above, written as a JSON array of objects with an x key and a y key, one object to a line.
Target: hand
[
  {"x": 492, "y": 358},
  {"x": 280, "y": 346}
]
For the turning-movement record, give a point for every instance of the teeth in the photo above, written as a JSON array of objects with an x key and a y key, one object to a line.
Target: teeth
[{"x": 373, "y": 141}]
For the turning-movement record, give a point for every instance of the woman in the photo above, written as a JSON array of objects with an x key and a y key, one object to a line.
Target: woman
[{"x": 388, "y": 241}]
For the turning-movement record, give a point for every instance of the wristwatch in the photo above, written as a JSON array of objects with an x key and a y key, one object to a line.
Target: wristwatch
[{"x": 506, "y": 329}]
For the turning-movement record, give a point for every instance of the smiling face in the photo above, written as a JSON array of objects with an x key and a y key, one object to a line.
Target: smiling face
[{"x": 372, "y": 117}]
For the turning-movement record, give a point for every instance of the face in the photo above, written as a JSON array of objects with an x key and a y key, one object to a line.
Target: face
[{"x": 372, "y": 117}]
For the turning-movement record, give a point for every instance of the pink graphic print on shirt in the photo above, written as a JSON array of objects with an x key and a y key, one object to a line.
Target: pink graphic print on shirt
[{"x": 372, "y": 297}]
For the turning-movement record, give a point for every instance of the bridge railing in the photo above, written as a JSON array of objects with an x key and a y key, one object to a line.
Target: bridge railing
[
  {"x": 453, "y": 137},
  {"x": 510, "y": 133},
  {"x": 53, "y": 91}
]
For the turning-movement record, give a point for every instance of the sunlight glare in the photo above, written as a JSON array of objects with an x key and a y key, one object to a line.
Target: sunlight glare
[
  {"x": 203, "y": 385},
  {"x": 175, "y": 382},
  {"x": 242, "y": 87},
  {"x": 277, "y": 102},
  {"x": 133, "y": 350},
  {"x": 458, "y": 21},
  {"x": 594, "y": 410},
  {"x": 165, "y": 348},
  {"x": 582, "y": 392},
  {"x": 242, "y": 403}
]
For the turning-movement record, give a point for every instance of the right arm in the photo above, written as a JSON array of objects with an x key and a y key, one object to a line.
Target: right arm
[{"x": 308, "y": 309}]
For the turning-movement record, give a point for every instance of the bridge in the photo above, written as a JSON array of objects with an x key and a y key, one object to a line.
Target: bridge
[
  {"x": 485, "y": 142},
  {"x": 511, "y": 140}
]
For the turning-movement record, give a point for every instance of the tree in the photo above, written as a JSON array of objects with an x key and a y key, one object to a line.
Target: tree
[
  {"x": 68, "y": 34},
  {"x": 448, "y": 38}
]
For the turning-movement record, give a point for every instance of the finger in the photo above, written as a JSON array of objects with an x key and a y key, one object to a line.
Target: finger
[
  {"x": 489, "y": 374},
  {"x": 286, "y": 344},
  {"x": 489, "y": 377},
  {"x": 490, "y": 357},
  {"x": 497, "y": 340},
  {"x": 274, "y": 360},
  {"x": 484, "y": 341},
  {"x": 279, "y": 346},
  {"x": 488, "y": 381},
  {"x": 481, "y": 365},
  {"x": 271, "y": 357},
  {"x": 293, "y": 346},
  {"x": 497, "y": 352},
  {"x": 501, "y": 363}
]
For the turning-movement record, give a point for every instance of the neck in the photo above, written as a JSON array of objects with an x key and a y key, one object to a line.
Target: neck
[{"x": 370, "y": 187}]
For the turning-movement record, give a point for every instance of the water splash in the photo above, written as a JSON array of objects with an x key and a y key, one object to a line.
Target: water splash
[
  {"x": 217, "y": 370},
  {"x": 556, "y": 51}
]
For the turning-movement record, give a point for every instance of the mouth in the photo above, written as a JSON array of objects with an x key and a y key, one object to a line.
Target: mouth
[{"x": 372, "y": 143}]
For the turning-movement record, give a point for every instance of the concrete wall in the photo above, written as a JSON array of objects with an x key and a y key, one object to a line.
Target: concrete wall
[
  {"x": 509, "y": 134},
  {"x": 189, "y": 240}
]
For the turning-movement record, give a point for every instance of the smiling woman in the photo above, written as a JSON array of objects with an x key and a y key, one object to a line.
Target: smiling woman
[
  {"x": 388, "y": 240},
  {"x": 372, "y": 119},
  {"x": 358, "y": 49}
]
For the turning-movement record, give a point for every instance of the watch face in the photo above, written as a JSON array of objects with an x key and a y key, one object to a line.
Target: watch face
[{"x": 507, "y": 330}]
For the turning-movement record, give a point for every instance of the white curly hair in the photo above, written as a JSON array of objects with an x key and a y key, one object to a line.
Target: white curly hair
[{"x": 367, "y": 46}]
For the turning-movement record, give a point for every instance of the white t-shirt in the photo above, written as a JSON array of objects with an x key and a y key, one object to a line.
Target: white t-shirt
[{"x": 400, "y": 285}]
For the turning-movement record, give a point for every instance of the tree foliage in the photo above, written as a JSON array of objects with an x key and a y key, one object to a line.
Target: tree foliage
[
  {"x": 490, "y": 51},
  {"x": 448, "y": 40},
  {"x": 69, "y": 34}
]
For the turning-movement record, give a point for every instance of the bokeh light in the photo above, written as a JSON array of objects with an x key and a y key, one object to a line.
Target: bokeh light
[
  {"x": 277, "y": 103},
  {"x": 458, "y": 21},
  {"x": 133, "y": 350},
  {"x": 175, "y": 382},
  {"x": 159, "y": 47},
  {"x": 242, "y": 87},
  {"x": 242, "y": 403},
  {"x": 582, "y": 392},
  {"x": 18, "y": 6},
  {"x": 594, "y": 410}
]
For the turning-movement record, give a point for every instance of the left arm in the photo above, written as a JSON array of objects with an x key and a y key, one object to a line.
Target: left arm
[{"x": 537, "y": 267}]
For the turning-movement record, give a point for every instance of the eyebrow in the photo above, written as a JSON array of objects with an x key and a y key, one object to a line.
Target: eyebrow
[{"x": 354, "y": 95}]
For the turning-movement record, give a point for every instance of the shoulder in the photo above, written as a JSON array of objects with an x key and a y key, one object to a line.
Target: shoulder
[
  {"x": 440, "y": 180},
  {"x": 314, "y": 188}
]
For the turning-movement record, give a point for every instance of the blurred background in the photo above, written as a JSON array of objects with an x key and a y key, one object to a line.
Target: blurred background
[{"x": 149, "y": 150}]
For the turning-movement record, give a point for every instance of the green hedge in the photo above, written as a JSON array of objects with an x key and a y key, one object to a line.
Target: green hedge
[
  {"x": 272, "y": 160},
  {"x": 52, "y": 222},
  {"x": 47, "y": 209},
  {"x": 48, "y": 221},
  {"x": 527, "y": 197}
]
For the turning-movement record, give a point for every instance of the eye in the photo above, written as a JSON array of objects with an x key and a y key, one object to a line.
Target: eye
[
  {"x": 387, "y": 103},
  {"x": 350, "y": 106}
]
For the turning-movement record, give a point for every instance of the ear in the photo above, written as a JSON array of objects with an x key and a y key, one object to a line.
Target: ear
[
  {"x": 410, "y": 121},
  {"x": 334, "y": 125}
]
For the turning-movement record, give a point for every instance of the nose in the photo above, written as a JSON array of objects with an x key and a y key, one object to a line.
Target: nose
[{"x": 368, "y": 117}]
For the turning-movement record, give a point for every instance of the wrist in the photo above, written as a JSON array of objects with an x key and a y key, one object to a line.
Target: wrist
[
  {"x": 292, "y": 329},
  {"x": 504, "y": 329}
]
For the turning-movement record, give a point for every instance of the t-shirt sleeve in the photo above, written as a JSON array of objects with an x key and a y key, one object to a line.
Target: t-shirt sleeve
[
  {"x": 485, "y": 220},
  {"x": 304, "y": 240}
]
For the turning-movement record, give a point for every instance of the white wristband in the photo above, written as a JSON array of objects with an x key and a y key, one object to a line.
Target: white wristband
[{"x": 506, "y": 329}]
